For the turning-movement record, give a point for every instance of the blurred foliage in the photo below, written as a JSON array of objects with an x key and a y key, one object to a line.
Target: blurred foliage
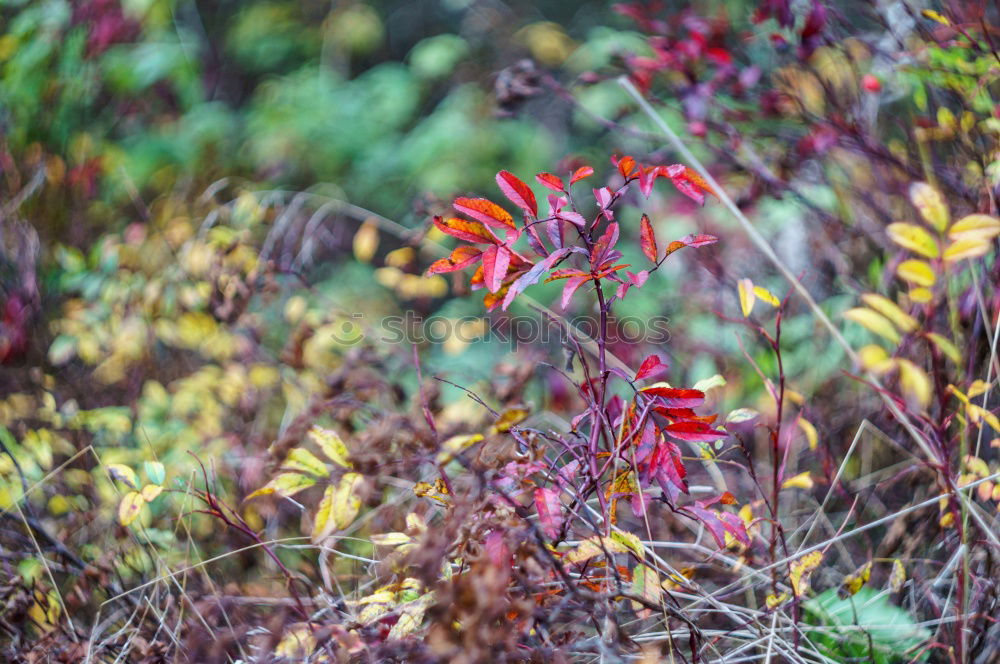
[{"x": 208, "y": 208}]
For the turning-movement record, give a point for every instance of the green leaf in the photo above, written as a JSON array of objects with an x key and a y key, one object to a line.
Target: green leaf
[
  {"x": 849, "y": 623},
  {"x": 155, "y": 472}
]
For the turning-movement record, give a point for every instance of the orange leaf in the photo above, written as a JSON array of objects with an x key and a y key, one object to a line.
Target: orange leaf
[
  {"x": 553, "y": 182},
  {"x": 470, "y": 231},
  {"x": 485, "y": 211},
  {"x": 647, "y": 239},
  {"x": 580, "y": 173}
]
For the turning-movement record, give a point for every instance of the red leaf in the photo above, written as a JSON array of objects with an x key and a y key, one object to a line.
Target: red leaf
[
  {"x": 485, "y": 211},
  {"x": 553, "y": 182},
  {"x": 571, "y": 285},
  {"x": 580, "y": 173},
  {"x": 519, "y": 193},
  {"x": 463, "y": 229},
  {"x": 549, "y": 511},
  {"x": 688, "y": 182},
  {"x": 694, "y": 432},
  {"x": 496, "y": 260},
  {"x": 647, "y": 238},
  {"x": 665, "y": 461},
  {"x": 461, "y": 257},
  {"x": 676, "y": 397},
  {"x": 604, "y": 244},
  {"x": 651, "y": 366}
]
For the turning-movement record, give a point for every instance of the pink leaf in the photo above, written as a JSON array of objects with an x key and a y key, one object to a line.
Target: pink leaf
[
  {"x": 533, "y": 275},
  {"x": 549, "y": 511},
  {"x": 571, "y": 285},
  {"x": 496, "y": 259},
  {"x": 518, "y": 192}
]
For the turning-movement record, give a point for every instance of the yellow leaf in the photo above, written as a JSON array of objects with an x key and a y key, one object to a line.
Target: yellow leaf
[
  {"x": 873, "y": 322},
  {"x": 645, "y": 584},
  {"x": 883, "y": 305},
  {"x": 595, "y": 546},
  {"x": 409, "y": 620},
  {"x": 150, "y": 492},
  {"x": 935, "y": 16},
  {"x": 629, "y": 540},
  {"x": 706, "y": 384},
  {"x": 456, "y": 445},
  {"x": 123, "y": 474},
  {"x": 339, "y": 507},
  {"x": 297, "y": 643},
  {"x": 921, "y": 295},
  {"x": 979, "y": 414},
  {"x": 944, "y": 344},
  {"x": 747, "y": 297},
  {"x": 764, "y": 294},
  {"x": 366, "y": 241},
  {"x": 129, "y": 507},
  {"x": 331, "y": 445},
  {"x": 509, "y": 418},
  {"x": 916, "y": 272},
  {"x": 977, "y": 466},
  {"x": 810, "y": 431},
  {"x": 977, "y": 387},
  {"x": 301, "y": 460},
  {"x": 914, "y": 382},
  {"x": 773, "y": 600},
  {"x": 875, "y": 359},
  {"x": 746, "y": 514},
  {"x": 801, "y": 570},
  {"x": 853, "y": 582},
  {"x": 897, "y": 577},
  {"x": 437, "y": 491},
  {"x": 800, "y": 481},
  {"x": 931, "y": 205},
  {"x": 285, "y": 484},
  {"x": 390, "y": 539},
  {"x": 975, "y": 227},
  {"x": 966, "y": 248},
  {"x": 914, "y": 238},
  {"x": 959, "y": 393}
]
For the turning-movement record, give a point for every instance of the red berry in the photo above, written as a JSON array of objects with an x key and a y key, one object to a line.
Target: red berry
[{"x": 871, "y": 83}]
